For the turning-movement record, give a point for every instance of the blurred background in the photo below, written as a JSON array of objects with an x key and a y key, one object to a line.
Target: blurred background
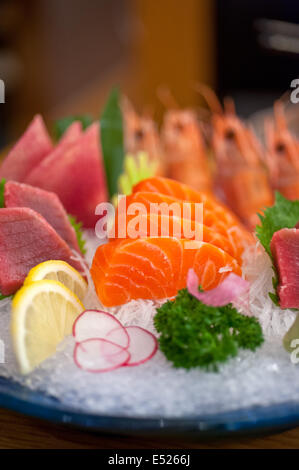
[{"x": 62, "y": 56}]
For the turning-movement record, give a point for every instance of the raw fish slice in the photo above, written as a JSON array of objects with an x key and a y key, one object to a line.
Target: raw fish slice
[
  {"x": 152, "y": 225},
  {"x": 26, "y": 239},
  {"x": 134, "y": 261},
  {"x": 236, "y": 234},
  {"x": 45, "y": 203},
  {"x": 169, "y": 255},
  {"x": 285, "y": 251},
  {"x": 71, "y": 135},
  {"x": 77, "y": 176},
  {"x": 179, "y": 190},
  {"x": 34, "y": 145},
  {"x": 171, "y": 187}
]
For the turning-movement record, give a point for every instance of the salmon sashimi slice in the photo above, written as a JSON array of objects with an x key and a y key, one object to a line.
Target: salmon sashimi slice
[
  {"x": 157, "y": 225},
  {"x": 155, "y": 268},
  {"x": 218, "y": 221},
  {"x": 172, "y": 188},
  {"x": 182, "y": 191}
]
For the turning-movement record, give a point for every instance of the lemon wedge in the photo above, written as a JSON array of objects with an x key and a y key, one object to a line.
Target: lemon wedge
[
  {"x": 43, "y": 313},
  {"x": 61, "y": 271}
]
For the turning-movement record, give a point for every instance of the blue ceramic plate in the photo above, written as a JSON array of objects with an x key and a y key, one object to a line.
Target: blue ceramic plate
[{"x": 258, "y": 419}]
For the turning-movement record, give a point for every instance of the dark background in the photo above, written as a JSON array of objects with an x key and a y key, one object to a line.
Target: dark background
[{"x": 62, "y": 56}]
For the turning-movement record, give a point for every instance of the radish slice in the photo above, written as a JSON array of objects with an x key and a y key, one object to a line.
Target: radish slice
[
  {"x": 143, "y": 345},
  {"x": 99, "y": 355},
  {"x": 98, "y": 324}
]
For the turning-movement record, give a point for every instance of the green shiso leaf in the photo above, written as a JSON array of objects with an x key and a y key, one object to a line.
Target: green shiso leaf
[
  {"x": 2, "y": 187},
  {"x": 283, "y": 214},
  {"x": 193, "y": 334},
  {"x": 112, "y": 139},
  {"x": 78, "y": 229},
  {"x": 61, "y": 125}
]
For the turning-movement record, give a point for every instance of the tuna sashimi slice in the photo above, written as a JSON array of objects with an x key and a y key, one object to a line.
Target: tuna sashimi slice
[
  {"x": 45, "y": 203},
  {"x": 77, "y": 176},
  {"x": 28, "y": 152},
  {"x": 70, "y": 136},
  {"x": 72, "y": 133},
  {"x": 26, "y": 239},
  {"x": 285, "y": 251}
]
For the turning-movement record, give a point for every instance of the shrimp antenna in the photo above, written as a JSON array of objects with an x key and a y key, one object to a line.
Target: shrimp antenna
[
  {"x": 210, "y": 97},
  {"x": 279, "y": 115},
  {"x": 166, "y": 97},
  {"x": 148, "y": 112},
  {"x": 229, "y": 105},
  {"x": 127, "y": 105}
]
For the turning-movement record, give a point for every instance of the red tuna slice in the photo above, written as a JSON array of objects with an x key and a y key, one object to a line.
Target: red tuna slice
[
  {"x": 45, "y": 203},
  {"x": 285, "y": 251},
  {"x": 26, "y": 239},
  {"x": 72, "y": 133},
  {"x": 69, "y": 137},
  {"x": 77, "y": 176},
  {"x": 28, "y": 152}
]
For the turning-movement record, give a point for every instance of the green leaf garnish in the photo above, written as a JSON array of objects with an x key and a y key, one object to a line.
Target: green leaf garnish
[
  {"x": 4, "y": 296},
  {"x": 283, "y": 214},
  {"x": 61, "y": 125},
  {"x": 78, "y": 229},
  {"x": 112, "y": 139},
  {"x": 193, "y": 334},
  {"x": 2, "y": 187},
  {"x": 136, "y": 168}
]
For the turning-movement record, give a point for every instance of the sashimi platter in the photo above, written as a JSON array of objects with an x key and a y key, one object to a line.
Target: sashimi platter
[{"x": 150, "y": 274}]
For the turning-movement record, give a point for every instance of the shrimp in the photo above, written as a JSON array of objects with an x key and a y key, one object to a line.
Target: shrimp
[
  {"x": 241, "y": 179},
  {"x": 184, "y": 147},
  {"x": 282, "y": 154},
  {"x": 141, "y": 134}
]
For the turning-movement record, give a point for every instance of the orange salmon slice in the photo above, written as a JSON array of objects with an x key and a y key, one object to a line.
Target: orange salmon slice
[
  {"x": 157, "y": 225},
  {"x": 218, "y": 221},
  {"x": 155, "y": 268}
]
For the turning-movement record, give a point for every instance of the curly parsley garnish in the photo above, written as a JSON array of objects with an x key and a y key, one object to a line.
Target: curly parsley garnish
[{"x": 193, "y": 334}]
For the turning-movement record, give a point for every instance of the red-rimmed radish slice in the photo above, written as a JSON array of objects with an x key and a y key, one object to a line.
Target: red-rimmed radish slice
[
  {"x": 98, "y": 324},
  {"x": 142, "y": 347},
  {"x": 99, "y": 355}
]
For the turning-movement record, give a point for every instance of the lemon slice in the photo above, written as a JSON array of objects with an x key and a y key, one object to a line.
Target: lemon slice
[
  {"x": 59, "y": 271},
  {"x": 43, "y": 313}
]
